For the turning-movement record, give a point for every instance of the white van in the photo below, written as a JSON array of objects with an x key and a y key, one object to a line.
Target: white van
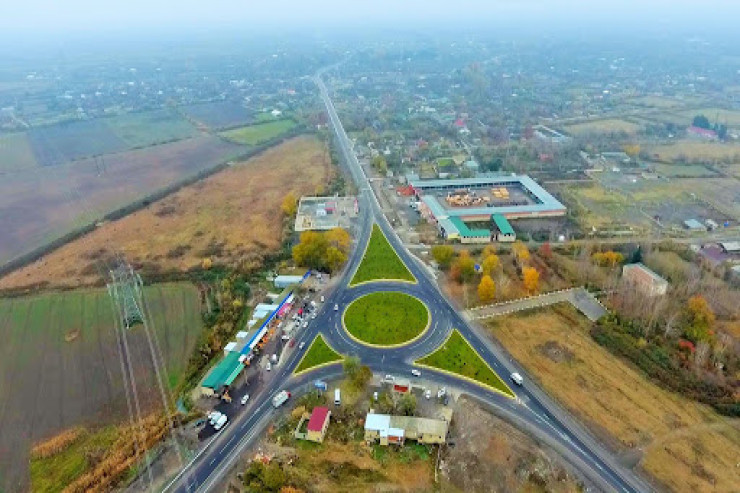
[{"x": 337, "y": 397}]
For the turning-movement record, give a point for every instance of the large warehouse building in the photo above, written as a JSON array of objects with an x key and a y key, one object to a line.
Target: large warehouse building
[{"x": 450, "y": 204}]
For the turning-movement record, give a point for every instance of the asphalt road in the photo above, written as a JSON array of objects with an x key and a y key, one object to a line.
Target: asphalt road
[{"x": 532, "y": 410}]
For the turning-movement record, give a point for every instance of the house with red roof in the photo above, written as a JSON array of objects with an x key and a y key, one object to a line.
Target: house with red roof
[
  {"x": 317, "y": 424},
  {"x": 701, "y": 133}
]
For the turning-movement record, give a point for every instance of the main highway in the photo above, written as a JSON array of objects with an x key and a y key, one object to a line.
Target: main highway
[{"x": 532, "y": 410}]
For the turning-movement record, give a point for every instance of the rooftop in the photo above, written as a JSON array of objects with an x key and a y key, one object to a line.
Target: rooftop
[
  {"x": 466, "y": 232},
  {"x": 318, "y": 418},
  {"x": 502, "y": 224},
  {"x": 655, "y": 278},
  {"x": 385, "y": 422},
  {"x": 225, "y": 372}
]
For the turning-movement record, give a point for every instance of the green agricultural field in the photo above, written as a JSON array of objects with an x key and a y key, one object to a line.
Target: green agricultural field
[
  {"x": 684, "y": 171},
  {"x": 151, "y": 127},
  {"x": 257, "y": 134},
  {"x": 457, "y": 356},
  {"x": 61, "y": 358},
  {"x": 381, "y": 262},
  {"x": 319, "y": 354},
  {"x": 16, "y": 153},
  {"x": 386, "y": 318}
]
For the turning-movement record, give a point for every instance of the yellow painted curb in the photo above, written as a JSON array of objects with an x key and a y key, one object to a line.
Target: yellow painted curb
[
  {"x": 321, "y": 365},
  {"x": 457, "y": 375},
  {"x": 352, "y": 285},
  {"x": 389, "y": 346}
]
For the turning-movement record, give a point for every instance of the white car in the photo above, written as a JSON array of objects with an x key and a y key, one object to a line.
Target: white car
[
  {"x": 214, "y": 416},
  {"x": 305, "y": 324},
  {"x": 428, "y": 394},
  {"x": 441, "y": 393},
  {"x": 221, "y": 422},
  {"x": 322, "y": 298},
  {"x": 245, "y": 399},
  {"x": 416, "y": 373},
  {"x": 389, "y": 378},
  {"x": 517, "y": 378},
  {"x": 300, "y": 346},
  {"x": 336, "y": 307},
  {"x": 268, "y": 367}
]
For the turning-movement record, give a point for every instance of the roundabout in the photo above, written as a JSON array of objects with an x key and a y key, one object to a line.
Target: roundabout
[{"x": 386, "y": 319}]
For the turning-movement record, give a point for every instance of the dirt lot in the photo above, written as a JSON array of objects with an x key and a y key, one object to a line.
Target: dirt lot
[
  {"x": 231, "y": 216},
  {"x": 489, "y": 451},
  {"x": 60, "y": 364},
  {"x": 685, "y": 445},
  {"x": 42, "y": 204}
]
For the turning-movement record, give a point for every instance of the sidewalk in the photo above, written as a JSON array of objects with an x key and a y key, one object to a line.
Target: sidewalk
[{"x": 581, "y": 299}]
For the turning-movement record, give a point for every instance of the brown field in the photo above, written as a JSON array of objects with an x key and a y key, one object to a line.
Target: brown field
[
  {"x": 608, "y": 126},
  {"x": 685, "y": 445},
  {"x": 231, "y": 216},
  {"x": 696, "y": 151},
  {"x": 41, "y": 204},
  {"x": 15, "y": 153}
]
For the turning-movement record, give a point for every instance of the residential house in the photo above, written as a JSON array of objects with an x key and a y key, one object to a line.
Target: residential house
[
  {"x": 644, "y": 279},
  {"x": 387, "y": 429}
]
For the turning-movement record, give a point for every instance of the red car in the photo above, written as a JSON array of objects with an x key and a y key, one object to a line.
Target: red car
[{"x": 291, "y": 343}]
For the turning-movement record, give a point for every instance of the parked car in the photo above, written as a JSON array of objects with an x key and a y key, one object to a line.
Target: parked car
[
  {"x": 268, "y": 367},
  {"x": 416, "y": 373},
  {"x": 292, "y": 343},
  {"x": 441, "y": 393},
  {"x": 322, "y": 298},
  {"x": 214, "y": 416},
  {"x": 389, "y": 378},
  {"x": 245, "y": 399},
  {"x": 221, "y": 422},
  {"x": 517, "y": 378},
  {"x": 428, "y": 394},
  {"x": 305, "y": 324}
]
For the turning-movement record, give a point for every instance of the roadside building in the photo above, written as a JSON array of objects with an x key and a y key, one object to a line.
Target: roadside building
[
  {"x": 387, "y": 429},
  {"x": 467, "y": 234},
  {"x": 694, "y": 225},
  {"x": 730, "y": 247},
  {"x": 318, "y": 424},
  {"x": 502, "y": 230},
  {"x": 645, "y": 280},
  {"x": 222, "y": 375},
  {"x": 283, "y": 282},
  {"x": 701, "y": 133}
]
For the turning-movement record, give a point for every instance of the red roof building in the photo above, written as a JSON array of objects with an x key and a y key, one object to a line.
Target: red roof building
[
  {"x": 317, "y": 424},
  {"x": 702, "y": 133}
]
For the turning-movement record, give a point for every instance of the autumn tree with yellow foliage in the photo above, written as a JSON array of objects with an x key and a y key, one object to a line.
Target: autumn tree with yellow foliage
[
  {"x": 323, "y": 251},
  {"x": 521, "y": 252},
  {"x": 531, "y": 278},
  {"x": 290, "y": 204},
  {"x": 486, "y": 289},
  {"x": 490, "y": 264}
]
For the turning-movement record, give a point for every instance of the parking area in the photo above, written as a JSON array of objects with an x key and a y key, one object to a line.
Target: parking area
[{"x": 266, "y": 360}]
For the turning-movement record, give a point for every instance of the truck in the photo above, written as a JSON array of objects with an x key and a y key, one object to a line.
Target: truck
[
  {"x": 280, "y": 398},
  {"x": 337, "y": 397}
]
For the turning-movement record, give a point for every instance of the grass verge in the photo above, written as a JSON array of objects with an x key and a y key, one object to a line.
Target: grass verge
[
  {"x": 386, "y": 318},
  {"x": 319, "y": 354},
  {"x": 457, "y": 356},
  {"x": 380, "y": 262}
]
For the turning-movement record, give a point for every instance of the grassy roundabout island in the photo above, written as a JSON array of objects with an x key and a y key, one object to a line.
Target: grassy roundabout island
[
  {"x": 457, "y": 356},
  {"x": 380, "y": 262},
  {"x": 386, "y": 318},
  {"x": 319, "y": 354}
]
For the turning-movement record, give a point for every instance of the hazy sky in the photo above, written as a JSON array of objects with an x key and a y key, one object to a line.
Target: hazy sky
[{"x": 34, "y": 16}]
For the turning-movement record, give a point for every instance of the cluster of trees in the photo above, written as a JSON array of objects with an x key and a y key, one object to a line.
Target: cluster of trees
[
  {"x": 226, "y": 299},
  {"x": 702, "y": 121},
  {"x": 530, "y": 275},
  {"x": 663, "y": 360},
  {"x": 357, "y": 374},
  {"x": 380, "y": 164},
  {"x": 261, "y": 477},
  {"x": 608, "y": 258},
  {"x": 325, "y": 251}
]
